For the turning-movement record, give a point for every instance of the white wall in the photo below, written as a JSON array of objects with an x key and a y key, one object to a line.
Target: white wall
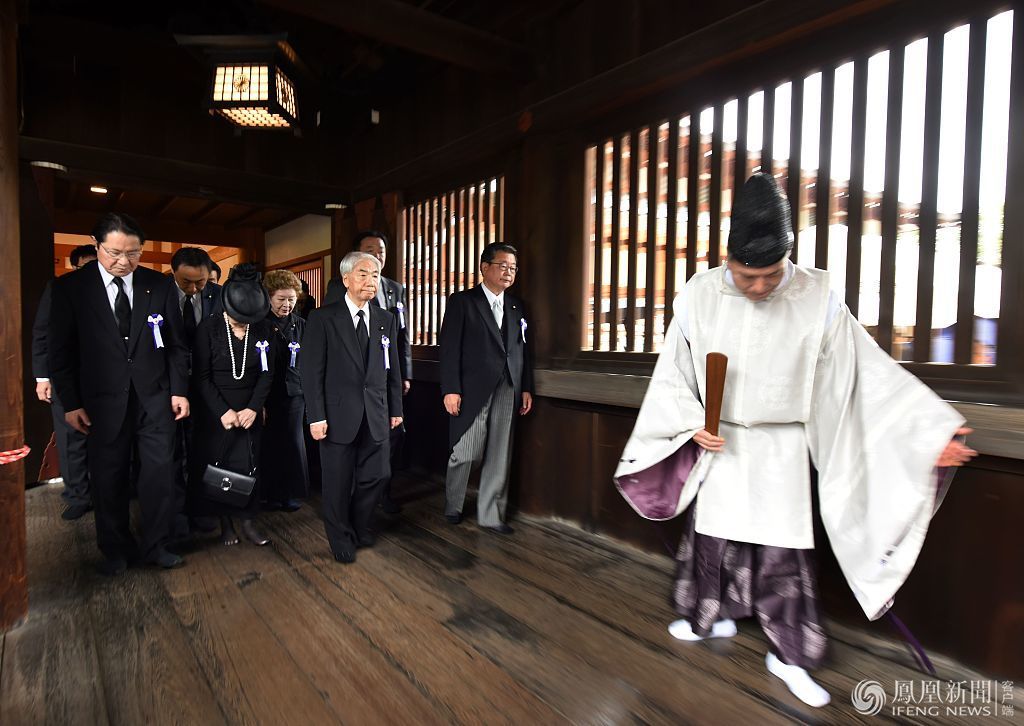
[{"x": 301, "y": 237}]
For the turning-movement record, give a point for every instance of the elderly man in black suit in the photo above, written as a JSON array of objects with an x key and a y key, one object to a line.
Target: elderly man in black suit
[
  {"x": 70, "y": 444},
  {"x": 118, "y": 364},
  {"x": 353, "y": 390},
  {"x": 486, "y": 374},
  {"x": 391, "y": 297}
]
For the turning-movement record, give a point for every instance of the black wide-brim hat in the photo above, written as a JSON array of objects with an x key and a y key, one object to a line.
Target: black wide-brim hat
[{"x": 243, "y": 295}]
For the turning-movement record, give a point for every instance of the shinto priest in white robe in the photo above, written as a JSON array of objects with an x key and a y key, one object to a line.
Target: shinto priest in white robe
[{"x": 805, "y": 383}]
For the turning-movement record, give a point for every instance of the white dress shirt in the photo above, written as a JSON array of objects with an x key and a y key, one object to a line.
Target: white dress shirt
[
  {"x": 197, "y": 304},
  {"x": 353, "y": 309},
  {"x": 491, "y": 298},
  {"x": 111, "y": 288}
]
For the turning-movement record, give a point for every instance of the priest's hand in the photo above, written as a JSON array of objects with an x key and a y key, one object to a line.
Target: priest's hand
[
  {"x": 956, "y": 452},
  {"x": 709, "y": 441}
]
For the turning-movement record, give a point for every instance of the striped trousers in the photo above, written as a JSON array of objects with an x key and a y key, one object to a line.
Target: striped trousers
[{"x": 489, "y": 439}]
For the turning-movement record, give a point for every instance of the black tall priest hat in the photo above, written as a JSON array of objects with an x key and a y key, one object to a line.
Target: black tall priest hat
[{"x": 761, "y": 232}]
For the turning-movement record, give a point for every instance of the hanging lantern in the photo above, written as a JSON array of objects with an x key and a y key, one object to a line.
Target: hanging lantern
[{"x": 256, "y": 95}]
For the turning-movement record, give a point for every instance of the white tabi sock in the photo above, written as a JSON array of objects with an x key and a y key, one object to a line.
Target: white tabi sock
[
  {"x": 681, "y": 630},
  {"x": 798, "y": 681}
]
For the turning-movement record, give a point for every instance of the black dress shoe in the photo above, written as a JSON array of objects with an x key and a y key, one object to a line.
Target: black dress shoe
[
  {"x": 453, "y": 518},
  {"x": 254, "y": 535},
  {"x": 166, "y": 560},
  {"x": 76, "y": 511},
  {"x": 366, "y": 541},
  {"x": 345, "y": 557},
  {"x": 291, "y": 505},
  {"x": 499, "y": 529},
  {"x": 112, "y": 566},
  {"x": 390, "y": 506}
]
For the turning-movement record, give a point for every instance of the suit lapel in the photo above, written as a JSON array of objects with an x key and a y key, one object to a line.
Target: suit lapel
[
  {"x": 347, "y": 330},
  {"x": 512, "y": 317},
  {"x": 100, "y": 303},
  {"x": 141, "y": 292},
  {"x": 484, "y": 309},
  {"x": 207, "y": 303},
  {"x": 377, "y": 331}
]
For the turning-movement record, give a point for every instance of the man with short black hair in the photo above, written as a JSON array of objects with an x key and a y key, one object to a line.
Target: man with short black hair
[
  {"x": 118, "y": 364},
  {"x": 215, "y": 273},
  {"x": 486, "y": 375},
  {"x": 198, "y": 298},
  {"x": 70, "y": 443}
]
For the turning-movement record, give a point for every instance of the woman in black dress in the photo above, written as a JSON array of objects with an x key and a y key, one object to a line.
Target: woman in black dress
[
  {"x": 283, "y": 450},
  {"x": 233, "y": 371}
]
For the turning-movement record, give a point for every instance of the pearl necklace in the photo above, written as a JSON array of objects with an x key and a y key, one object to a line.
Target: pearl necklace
[{"x": 231, "y": 349}]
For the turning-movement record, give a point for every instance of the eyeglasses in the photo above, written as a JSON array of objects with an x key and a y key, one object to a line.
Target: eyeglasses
[
  {"x": 118, "y": 254},
  {"x": 505, "y": 267}
]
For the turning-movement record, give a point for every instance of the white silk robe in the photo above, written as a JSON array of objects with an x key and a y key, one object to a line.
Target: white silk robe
[{"x": 803, "y": 385}]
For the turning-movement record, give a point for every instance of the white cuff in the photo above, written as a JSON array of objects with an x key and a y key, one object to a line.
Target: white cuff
[
  {"x": 314, "y": 423},
  {"x": 42, "y": 380}
]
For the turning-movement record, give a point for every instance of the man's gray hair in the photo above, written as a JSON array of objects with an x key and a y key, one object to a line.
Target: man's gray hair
[{"x": 348, "y": 262}]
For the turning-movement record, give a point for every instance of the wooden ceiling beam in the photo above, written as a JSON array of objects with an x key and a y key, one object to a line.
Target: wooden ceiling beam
[
  {"x": 81, "y": 222},
  {"x": 241, "y": 219},
  {"x": 406, "y": 26},
  {"x": 181, "y": 178},
  {"x": 161, "y": 207},
  {"x": 208, "y": 209},
  {"x": 115, "y": 197},
  {"x": 220, "y": 253}
]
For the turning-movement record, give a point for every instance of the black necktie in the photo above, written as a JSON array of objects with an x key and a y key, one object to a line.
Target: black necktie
[
  {"x": 122, "y": 310},
  {"x": 362, "y": 337},
  {"x": 188, "y": 314}
]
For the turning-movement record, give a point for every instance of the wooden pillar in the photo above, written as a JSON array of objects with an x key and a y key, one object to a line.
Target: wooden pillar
[
  {"x": 13, "y": 581},
  {"x": 343, "y": 231},
  {"x": 391, "y": 204}
]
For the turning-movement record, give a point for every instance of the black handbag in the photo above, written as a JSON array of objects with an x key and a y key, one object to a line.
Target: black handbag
[{"x": 226, "y": 486}]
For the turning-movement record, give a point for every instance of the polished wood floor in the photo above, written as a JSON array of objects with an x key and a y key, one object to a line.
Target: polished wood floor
[{"x": 435, "y": 625}]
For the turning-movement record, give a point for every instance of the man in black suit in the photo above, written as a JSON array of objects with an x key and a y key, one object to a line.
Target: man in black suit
[
  {"x": 118, "y": 364},
  {"x": 198, "y": 299},
  {"x": 353, "y": 391},
  {"x": 70, "y": 444},
  {"x": 391, "y": 297},
  {"x": 486, "y": 374}
]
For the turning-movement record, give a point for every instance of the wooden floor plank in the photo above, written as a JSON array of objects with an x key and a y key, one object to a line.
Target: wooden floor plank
[
  {"x": 256, "y": 680},
  {"x": 50, "y": 661},
  {"x": 435, "y": 624},
  {"x": 472, "y": 688},
  {"x": 353, "y": 676},
  {"x": 592, "y": 580},
  {"x": 573, "y": 665}
]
